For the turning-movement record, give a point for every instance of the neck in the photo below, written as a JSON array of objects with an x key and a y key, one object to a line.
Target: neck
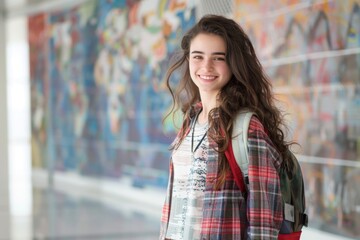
[
  {"x": 204, "y": 114},
  {"x": 208, "y": 101}
]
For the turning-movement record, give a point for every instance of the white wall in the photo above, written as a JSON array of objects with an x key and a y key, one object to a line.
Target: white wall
[
  {"x": 4, "y": 186},
  {"x": 18, "y": 103}
]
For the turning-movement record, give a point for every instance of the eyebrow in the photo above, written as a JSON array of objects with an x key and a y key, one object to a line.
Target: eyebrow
[{"x": 214, "y": 53}]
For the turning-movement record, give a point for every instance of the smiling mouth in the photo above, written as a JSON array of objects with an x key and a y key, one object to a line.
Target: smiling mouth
[{"x": 205, "y": 77}]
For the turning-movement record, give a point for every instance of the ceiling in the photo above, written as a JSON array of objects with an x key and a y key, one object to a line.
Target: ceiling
[{"x": 13, "y": 8}]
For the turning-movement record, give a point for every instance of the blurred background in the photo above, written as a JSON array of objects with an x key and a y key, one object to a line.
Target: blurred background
[{"x": 83, "y": 150}]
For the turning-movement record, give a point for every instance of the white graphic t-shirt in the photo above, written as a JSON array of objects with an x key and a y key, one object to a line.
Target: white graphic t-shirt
[{"x": 189, "y": 162}]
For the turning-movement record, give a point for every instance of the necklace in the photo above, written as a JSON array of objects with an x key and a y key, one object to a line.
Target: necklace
[{"x": 192, "y": 135}]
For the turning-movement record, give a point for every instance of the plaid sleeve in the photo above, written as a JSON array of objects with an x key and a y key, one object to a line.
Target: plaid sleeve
[
  {"x": 166, "y": 207},
  {"x": 264, "y": 201}
]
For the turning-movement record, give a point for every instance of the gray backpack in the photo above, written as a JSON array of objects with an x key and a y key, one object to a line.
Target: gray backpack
[{"x": 291, "y": 179}]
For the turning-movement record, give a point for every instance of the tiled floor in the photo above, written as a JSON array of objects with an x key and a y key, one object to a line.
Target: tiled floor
[
  {"x": 80, "y": 214},
  {"x": 63, "y": 217}
]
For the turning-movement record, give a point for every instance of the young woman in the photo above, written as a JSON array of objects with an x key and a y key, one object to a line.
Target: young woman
[{"x": 221, "y": 75}]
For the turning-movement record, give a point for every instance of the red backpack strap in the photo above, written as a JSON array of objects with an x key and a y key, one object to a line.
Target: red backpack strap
[
  {"x": 235, "y": 169},
  {"x": 290, "y": 236}
]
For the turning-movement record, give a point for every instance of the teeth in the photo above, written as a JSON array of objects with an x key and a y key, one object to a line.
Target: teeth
[{"x": 207, "y": 77}]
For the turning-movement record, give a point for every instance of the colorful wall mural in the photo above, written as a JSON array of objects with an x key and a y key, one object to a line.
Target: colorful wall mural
[
  {"x": 310, "y": 50},
  {"x": 98, "y": 96}
]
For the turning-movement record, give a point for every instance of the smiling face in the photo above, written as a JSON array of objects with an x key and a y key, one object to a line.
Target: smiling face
[{"x": 207, "y": 63}]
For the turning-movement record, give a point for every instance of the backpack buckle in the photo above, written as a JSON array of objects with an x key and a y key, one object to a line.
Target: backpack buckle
[{"x": 305, "y": 219}]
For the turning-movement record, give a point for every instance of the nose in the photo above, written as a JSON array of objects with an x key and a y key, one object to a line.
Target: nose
[{"x": 208, "y": 64}]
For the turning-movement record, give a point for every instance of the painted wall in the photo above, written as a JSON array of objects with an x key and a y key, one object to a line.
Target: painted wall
[
  {"x": 97, "y": 90},
  {"x": 98, "y": 96},
  {"x": 310, "y": 50}
]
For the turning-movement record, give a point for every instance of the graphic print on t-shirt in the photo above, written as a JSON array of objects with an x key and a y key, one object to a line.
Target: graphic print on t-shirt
[{"x": 188, "y": 187}]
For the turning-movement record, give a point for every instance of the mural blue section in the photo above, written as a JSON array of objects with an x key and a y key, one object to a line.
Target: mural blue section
[{"x": 106, "y": 95}]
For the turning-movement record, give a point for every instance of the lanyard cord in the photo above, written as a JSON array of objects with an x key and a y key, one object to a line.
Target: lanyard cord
[{"x": 192, "y": 135}]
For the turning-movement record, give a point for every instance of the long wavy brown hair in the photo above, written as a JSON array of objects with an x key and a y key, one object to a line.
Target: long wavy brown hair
[{"x": 248, "y": 88}]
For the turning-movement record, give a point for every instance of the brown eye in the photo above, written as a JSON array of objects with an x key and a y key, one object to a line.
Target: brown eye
[{"x": 219, "y": 59}]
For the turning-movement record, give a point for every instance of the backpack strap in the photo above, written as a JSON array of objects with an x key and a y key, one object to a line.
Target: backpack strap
[
  {"x": 235, "y": 169},
  {"x": 238, "y": 147},
  {"x": 240, "y": 142}
]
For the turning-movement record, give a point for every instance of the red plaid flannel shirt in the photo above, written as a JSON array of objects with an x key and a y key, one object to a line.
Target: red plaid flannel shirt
[{"x": 227, "y": 215}]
